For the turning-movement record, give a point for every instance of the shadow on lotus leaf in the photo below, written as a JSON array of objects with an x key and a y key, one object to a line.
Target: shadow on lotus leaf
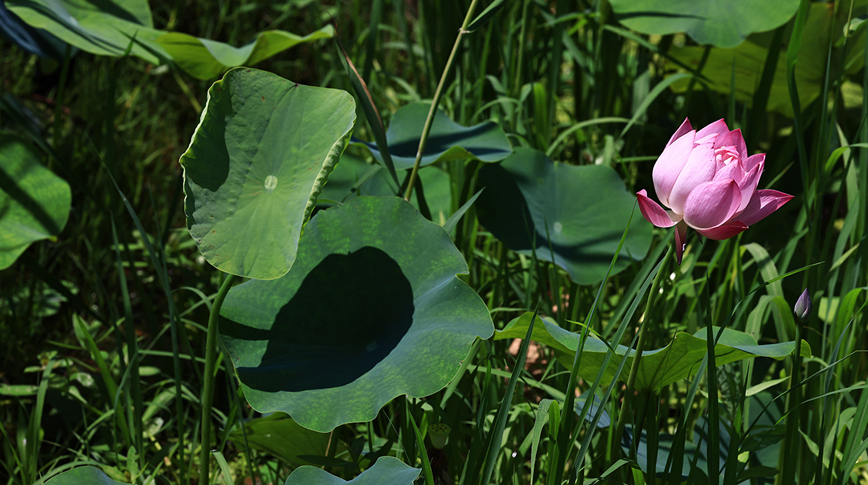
[
  {"x": 503, "y": 209},
  {"x": 315, "y": 345}
]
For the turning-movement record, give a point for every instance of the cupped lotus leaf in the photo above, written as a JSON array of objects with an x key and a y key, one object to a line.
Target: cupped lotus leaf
[
  {"x": 370, "y": 310},
  {"x": 573, "y": 216},
  {"x": 255, "y": 166},
  {"x": 386, "y": 470},
  {"x": 280, "y": 436},
  {"x": 34, "y": 203},
  {"x": 83, "y": 475},
  {"x": 447, "y": 140},
  {"x": 102, "y": 27},
  {"x": 206, "y": 59},
  {"x": 658, "y": 368},
  {"x": 724, "y": 24}
]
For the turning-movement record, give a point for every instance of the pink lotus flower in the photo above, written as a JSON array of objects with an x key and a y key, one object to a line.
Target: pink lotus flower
[{"x": 709, "y": 183}]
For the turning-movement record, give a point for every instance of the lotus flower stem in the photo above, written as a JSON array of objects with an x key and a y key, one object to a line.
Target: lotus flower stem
[
  {"x": 208, "y": 377},
  {"x": 429, "y": 121}
]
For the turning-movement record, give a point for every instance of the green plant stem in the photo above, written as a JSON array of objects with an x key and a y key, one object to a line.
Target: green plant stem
[
  {"x": 429, "y": 121},
  {"x": 208, "y": 378},
  {"x": 634, "y": 367}
]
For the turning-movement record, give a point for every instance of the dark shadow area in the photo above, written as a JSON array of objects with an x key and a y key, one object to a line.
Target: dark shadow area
[
  {"x": 630, "y": 15},
  {"x": 440, "y": 143},
  {"x": 316, "y": 346}
]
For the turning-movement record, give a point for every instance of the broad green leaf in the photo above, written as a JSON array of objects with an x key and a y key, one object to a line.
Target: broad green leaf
[
  {"x": 107, "y": 27},
  {"x": 370, "y": 310},
  {"x": 281, "y": 437},
  {"x": 576, "y": 214},
  {"x": 724, "y": 24},
  {"x": 83, "y": 475},
  {"x": 102, "y": 27},
  {"x": 257, "y": 162},
  {"x": 385, "y": 470},
  {"x": 205, "y": 59},
  {"x": 34, "y": 203},
  {"x": 658, "y": 368},
  {"x": 749, "y": 58},
  {"x": 448, "y": 140}
]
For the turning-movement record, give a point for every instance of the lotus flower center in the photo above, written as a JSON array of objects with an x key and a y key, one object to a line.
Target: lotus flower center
[
  {"x": 726, "y": 155},
  {"x": 270, "y": 182}
]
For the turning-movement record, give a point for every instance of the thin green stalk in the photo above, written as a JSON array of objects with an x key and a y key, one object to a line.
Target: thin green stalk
[
  {"x": 429, "y": 121},
  {"x": 208, "y": 378}
]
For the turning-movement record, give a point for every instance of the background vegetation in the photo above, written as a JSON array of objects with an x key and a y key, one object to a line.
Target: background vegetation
[{"x": 568, "y": 79}]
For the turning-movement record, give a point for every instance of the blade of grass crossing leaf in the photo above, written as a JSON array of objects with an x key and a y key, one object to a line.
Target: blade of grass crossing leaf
[
  {"x": 486, "y": 15},
  {"x": 423, "y": 455},
  {"x": 564, "y": 442},
  {"x": 368, "y": 107},
  {"x": 496, "y": 433},
  {"x": 622, "y": 328},
  {"x": 447, "y": 393},
  {"x": 224, "y": 468},
  {"x": 542, "y": 417},
  {"x": 452, "y": 222}
]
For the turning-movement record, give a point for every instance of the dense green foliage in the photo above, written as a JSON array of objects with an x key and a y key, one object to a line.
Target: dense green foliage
[{"x": 547, "y": 117}]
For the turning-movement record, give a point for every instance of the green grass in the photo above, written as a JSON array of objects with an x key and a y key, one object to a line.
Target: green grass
[{"x": 107, "y": 324}]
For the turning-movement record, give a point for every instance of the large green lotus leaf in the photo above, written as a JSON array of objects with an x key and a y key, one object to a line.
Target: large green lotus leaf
[
  {"x": 577, "y": 214},
  {"x": 205, "y": 59},
  {"x": 281, "y": 437},
  {"x": 102, "y": 27},
  {"x": 748, "y": 60},
  {"x": 83, "y": 475},
  {"x": 370, "y": 310},
  {"x": 724, "y": 24},
  {"x": 257, "y": 162},
  {"x": 658, "y": 368},
  {"x": 447, "y": 140},
  {"x": 34, "y": 203},
  {"x": 386, "y": 470}
]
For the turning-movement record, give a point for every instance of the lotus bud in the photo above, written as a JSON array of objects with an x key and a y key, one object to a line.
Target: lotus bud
[
  {"x": 439, "y": 434},
  {"x": 803, "y": 306},
  {"x": 708, "y": 183}
]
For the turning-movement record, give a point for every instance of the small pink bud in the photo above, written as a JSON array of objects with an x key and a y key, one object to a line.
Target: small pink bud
[{"x": 803, "y": 306}]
